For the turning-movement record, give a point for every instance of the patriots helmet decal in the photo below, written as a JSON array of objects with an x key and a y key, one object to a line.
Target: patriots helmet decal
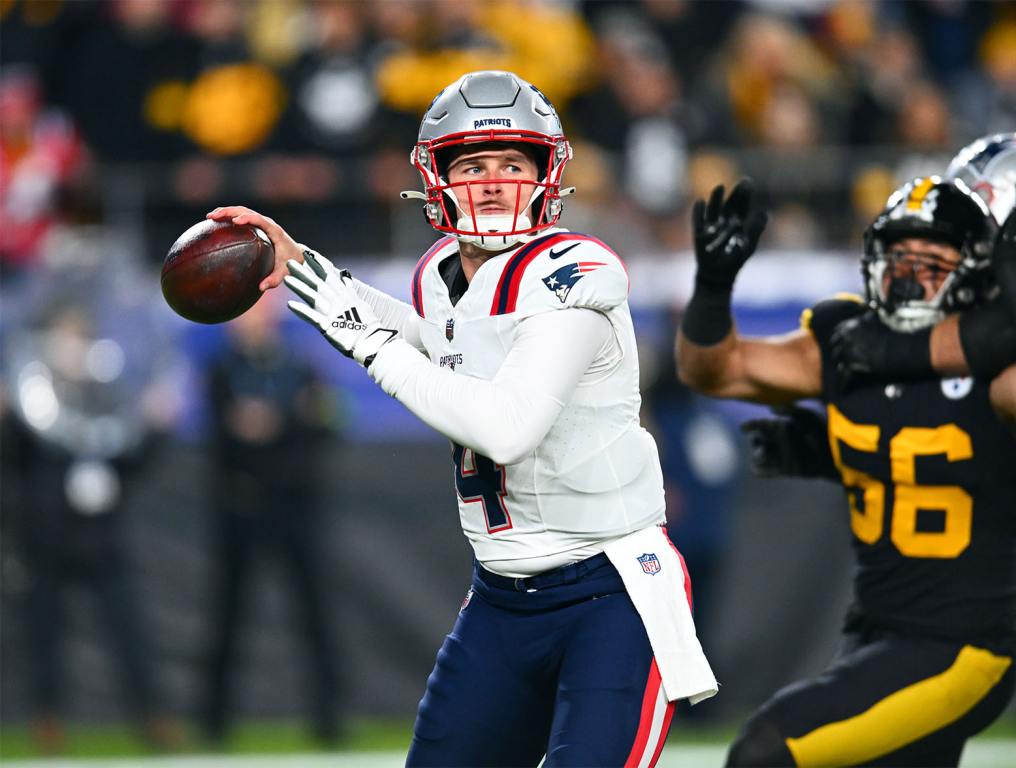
[{"x": 561, "y": 281}]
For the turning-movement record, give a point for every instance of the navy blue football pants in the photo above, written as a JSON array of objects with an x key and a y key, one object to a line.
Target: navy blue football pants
[{"x": 556, "y": 664}]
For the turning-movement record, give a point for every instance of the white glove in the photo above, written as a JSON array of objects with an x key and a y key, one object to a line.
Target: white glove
[{"x": 333, "y": 307}]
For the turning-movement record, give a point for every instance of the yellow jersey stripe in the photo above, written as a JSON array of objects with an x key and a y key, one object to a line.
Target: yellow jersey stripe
[{"x": 904, "y": 716}]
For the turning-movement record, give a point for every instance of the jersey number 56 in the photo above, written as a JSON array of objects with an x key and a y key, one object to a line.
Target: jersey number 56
[{"x": 908, "y": 497}]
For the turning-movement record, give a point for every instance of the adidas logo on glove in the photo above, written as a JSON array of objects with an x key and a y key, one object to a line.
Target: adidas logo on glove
[{"x": 349, "y": 320}]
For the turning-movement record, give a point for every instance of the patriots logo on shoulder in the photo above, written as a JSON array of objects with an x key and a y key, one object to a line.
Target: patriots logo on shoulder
[
  {"x": 650, "y": 563},
  {"x": 561, "y": 281}
]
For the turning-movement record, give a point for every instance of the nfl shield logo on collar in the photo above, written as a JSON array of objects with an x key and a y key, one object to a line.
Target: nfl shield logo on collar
[
  {"x": 449, "y": 328},
  {"x": 650, "y": 563}
]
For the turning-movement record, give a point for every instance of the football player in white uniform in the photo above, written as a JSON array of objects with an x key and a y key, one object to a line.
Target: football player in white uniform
[{"x": 576, "y": 637}]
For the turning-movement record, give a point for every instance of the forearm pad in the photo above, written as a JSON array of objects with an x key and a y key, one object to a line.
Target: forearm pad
[
  {"x": 988, "y": 338},
  {"x": 707, "y": 319}
]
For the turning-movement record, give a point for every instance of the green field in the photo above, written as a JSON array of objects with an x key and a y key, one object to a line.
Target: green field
[{"x": 368, "y": 744}]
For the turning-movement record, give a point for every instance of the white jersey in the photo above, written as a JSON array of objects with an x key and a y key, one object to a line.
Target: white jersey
[{"x": 595, "y": 474}]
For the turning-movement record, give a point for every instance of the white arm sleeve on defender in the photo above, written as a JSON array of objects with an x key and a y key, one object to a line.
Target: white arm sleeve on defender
[
  {"x": 506, "y": 417},
  {"x": 391, "y": 312}
]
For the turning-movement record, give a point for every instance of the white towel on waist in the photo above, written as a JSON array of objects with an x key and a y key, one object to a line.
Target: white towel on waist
[{"x": 655, "y": 580}]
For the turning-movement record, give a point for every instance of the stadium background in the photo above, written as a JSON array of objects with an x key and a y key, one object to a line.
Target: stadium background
[{"x": 124, "y": 121}]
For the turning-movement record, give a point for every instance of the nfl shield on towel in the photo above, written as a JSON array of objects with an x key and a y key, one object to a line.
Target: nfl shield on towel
[{"x": 650, "y": 563}]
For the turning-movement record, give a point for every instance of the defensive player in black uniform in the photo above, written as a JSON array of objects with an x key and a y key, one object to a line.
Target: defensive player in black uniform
[
  {"x": 927, "y": 466},
  {"x": 979, "y": 341}
]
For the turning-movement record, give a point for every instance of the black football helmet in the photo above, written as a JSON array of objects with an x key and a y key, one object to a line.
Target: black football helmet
[{"x": 941, "y": 211}]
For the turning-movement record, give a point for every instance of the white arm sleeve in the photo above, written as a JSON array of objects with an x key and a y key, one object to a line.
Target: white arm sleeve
[
  {"x": 504, "y": 418},
  {"x": 391, "y": 312}
]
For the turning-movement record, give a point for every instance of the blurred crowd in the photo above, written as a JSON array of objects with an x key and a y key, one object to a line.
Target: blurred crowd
[{"x": 307, "y": 108}]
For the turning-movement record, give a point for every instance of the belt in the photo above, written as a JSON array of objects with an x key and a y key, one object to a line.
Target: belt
[{"x": 566, "y": 574}]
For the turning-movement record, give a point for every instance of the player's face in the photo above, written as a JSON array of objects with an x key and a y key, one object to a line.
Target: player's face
[
  {"x": 495, "y": 181},
  {"x": 925, "y": 261}
]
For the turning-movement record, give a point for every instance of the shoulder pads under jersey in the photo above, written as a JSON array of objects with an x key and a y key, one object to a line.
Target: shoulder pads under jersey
[
  {"x": 822, "y": 318},
  {"x": 562, "y": 270}
]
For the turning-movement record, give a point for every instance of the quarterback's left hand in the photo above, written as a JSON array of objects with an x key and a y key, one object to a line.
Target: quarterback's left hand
[
  {"x": 333, "y": 307},
  {"x": 863, "y": 349}
]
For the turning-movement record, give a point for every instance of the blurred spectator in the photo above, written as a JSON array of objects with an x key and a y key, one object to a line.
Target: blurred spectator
[
  {"x": 333, "y": 102},
  {"x": 924, "y": 130},
  {"x": 765, "y": 55},
  {"x": 881, "y": 73},
  {"x": 871, "y": 187},
  {"x": 40, "y": 155},
  {"x": 125, "y": 81},
  {"x": 542, "y": 42},
  {"x": 74, "y": 436},
  {"x": 40, "y": 33},
  {"x": 986, "y": 98},
  {"x": 639, "y": 117},
  {"x": 271, "y": 417},
  {"x": 335, "y": 108},
  {"x": 234, "y": 103},
  {"x": 599, "y": 203},
  {"x": 947, "y": 31},
  {"x": 690, "y": 31}
]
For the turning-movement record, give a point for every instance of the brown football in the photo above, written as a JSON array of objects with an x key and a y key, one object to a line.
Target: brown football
[{"x": 212, "y": 272}]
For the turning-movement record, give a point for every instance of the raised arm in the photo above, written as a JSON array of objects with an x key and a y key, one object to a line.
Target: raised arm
[
  {"x": 503, "y": 418},
  {"x": 506, "y": 417},
  {"x": 712, "y": 358}
]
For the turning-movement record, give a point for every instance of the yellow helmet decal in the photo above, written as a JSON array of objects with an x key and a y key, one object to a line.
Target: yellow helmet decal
[{"x": 917, "y": 194}]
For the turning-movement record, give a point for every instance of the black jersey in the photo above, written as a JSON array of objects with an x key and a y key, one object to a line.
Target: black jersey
[{"x": 930, "y": 475}]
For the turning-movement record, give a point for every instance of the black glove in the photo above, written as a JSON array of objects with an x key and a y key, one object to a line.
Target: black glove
[
  {"x": 864, "y": 349},
  {"x": 726, "y": 233},
  {"x": 794, "y": 444}
]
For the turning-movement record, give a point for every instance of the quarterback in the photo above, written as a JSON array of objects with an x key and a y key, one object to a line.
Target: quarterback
[{"x": 576, "y": 636}]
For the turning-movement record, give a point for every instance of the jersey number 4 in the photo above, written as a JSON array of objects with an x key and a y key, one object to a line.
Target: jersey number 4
[
  {"x": 909, "y": 498},
  {"x": 478, "y": 479}
]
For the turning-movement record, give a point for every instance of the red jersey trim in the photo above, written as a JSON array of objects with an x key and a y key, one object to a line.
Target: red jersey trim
[
  {"x": 506, "y": 295},
  {"x": 421, "y": 265}
]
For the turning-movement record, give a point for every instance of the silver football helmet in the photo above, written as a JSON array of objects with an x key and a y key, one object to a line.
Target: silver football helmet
[
  {"x": 988, "y": 167},
  {"x": 482, "y": 108}
]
